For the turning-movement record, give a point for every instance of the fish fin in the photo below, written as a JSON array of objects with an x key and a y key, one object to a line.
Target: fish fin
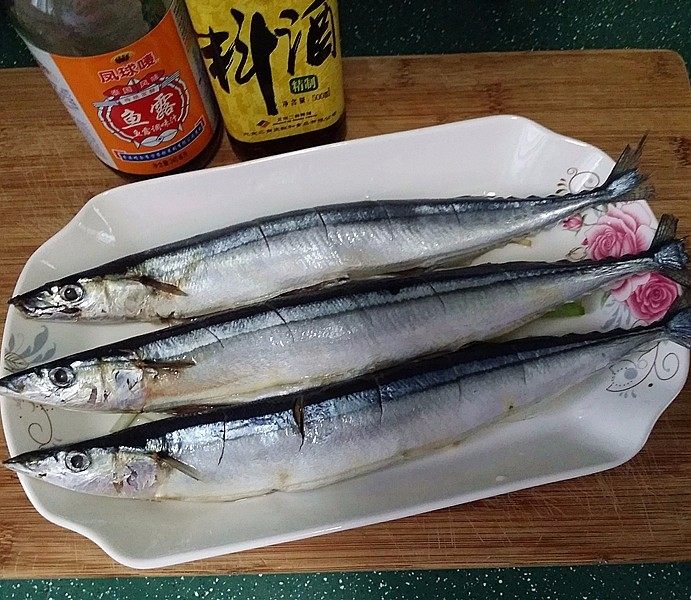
[
  {"x": 160, "y": 286},
  {"x": 130, "y": 419},
  {"x": 299, "y": 416},
  {"x": 409, "y": 272},
  {"x": 625, "y": 183},
  {"x": 643, "y": 191},
  {"x": 184, "y": 468},
  {"x": 392, "y": 281},
  {"x": 677, "y": 276},
  {"x": 666, "y": 230},
  {"x": 679, "y": 327},
  {"x": 162, "y": 365},
  {"x": 682, "y": 302},
  {"x": 628, "y": 160},
  {"x": 671, "y": 260},
  {"x": 637, "y": 187},
  {"x": 322, "y": 285},
  {"x": 124, "y": 421}
]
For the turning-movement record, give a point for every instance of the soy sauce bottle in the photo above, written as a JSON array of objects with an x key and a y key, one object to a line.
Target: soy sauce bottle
[
  {"x": 276, "y": 70},
  {"x": 130, "y": 75}
]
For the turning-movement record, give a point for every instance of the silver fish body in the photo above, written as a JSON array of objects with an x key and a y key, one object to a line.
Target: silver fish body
[
  {"x": 261, "y": 259},
  {"x": 303, "y": 441},
  {"x": 303, "y": 342}
]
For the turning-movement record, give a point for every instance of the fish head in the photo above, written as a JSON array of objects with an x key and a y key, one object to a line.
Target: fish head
[
  {"x": 86, "y": 298},
  {"x": 113, "y": 383},
  {"x": 64, "y": 300},
  {"x": 104, "y": 471}
]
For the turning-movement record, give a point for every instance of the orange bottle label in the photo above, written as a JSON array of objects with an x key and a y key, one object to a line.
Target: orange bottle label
[{"x": 146, "y": 108}]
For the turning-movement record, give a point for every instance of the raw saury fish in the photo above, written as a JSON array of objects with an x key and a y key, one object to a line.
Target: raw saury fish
[
  {"x": 261, "y": 259},
  {"x": 308, "y": 440},
  {"x": 310, "y": 340}
]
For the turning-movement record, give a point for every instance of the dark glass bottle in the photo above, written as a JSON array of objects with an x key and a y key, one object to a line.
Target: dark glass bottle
[
  {"x": 131, "y": 77},
  {"x": 276, "y": 70}
]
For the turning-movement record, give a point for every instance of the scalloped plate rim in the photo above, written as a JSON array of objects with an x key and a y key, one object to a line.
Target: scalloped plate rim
[{"x": 180, "y": 557}]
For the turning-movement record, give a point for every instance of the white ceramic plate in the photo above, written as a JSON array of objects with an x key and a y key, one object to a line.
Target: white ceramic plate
[{"x": 601, "y": 424}]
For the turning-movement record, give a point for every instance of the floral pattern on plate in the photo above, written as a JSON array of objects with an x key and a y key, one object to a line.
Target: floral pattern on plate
[{"x": 587, "y": 431}]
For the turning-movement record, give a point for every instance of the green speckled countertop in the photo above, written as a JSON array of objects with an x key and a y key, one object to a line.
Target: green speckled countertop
[
  {"x": 417, "y": 27},
  {"x": 622, "y": 582},
  {"x": 443, "y": 26}
]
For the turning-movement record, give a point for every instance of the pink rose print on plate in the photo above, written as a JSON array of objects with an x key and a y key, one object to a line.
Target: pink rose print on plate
[
  {"x": 651, "y": 300},
  {"x": 573, "y": 223},
  {"x": 623, "y": 229},
  {"x": 628, "y": 229}
]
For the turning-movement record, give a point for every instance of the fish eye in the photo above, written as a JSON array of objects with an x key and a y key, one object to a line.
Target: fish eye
[
  {"x": 61, "y": 376},
  {"x": 77, "y": 461},
  {"x": 71, "y": 293}
]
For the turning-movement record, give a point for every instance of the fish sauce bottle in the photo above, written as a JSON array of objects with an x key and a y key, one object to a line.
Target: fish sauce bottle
[
  {"x": 130, "y": 75},
  {"x": 276, "y": 70}
]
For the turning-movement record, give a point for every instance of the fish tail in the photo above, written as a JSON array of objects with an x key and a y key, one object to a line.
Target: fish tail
[
  {"x": 666, "y": 230},
  {"x": 669, "y": 254},
  {"x": 630, "y": 187},
  {"x": 679, "y": 327},
  {"x": 628, "y": 160},
  {"x": 671, "y": 261},
  {"x": 626, "y": 183}
]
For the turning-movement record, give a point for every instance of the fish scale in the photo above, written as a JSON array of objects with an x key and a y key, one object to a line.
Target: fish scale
[
  {"x": 300, "y": 342},
  {"x": 347, "y": 435},
  {"x": 302, "y": 441},
  {"x": 254, "y": 261}
]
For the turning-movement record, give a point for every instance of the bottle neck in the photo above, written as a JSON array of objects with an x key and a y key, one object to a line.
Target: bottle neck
[{"x": 85, "y": 27}]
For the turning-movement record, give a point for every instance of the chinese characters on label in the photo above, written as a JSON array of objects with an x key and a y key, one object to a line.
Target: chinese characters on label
[
  {"x": 129, "y": 70},
  {"x": 143, "y": 108},
  {"x": 161, "y": 108},
  {"x": 147, "y": 112},
  {"x": 132, "y": 119},
  {"x": 248, "y": 55},
  {"x": 304, "y": 84}
]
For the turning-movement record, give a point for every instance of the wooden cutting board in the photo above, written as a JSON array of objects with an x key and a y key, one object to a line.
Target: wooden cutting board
[{"x": 639, "y": 512}]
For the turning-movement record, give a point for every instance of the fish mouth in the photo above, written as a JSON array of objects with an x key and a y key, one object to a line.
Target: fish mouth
[
  {"x": 9, "y": 389},
  {"x": 22, "y": 468},
  {"x": 41, "y": 310},
  {"x": 13, "y": 387},
  {"x": 20, "y": 463},
  {"x": 9, "y": 385},
  {"x": 16, "y": 300},
  {"x": 30, "y": 306},
  {"x": 39, "y": 304},
  {"x": 14, "y": 462},
  {"x": 26, "y": 301},
  {"x": 26, "y": 462}
]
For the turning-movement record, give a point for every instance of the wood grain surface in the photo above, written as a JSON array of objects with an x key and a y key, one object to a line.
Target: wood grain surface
[{"x": 639, "y": 512}]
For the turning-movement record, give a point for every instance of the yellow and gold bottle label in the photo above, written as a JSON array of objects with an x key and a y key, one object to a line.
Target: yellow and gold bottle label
[{"x": 275, "y": 66}]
